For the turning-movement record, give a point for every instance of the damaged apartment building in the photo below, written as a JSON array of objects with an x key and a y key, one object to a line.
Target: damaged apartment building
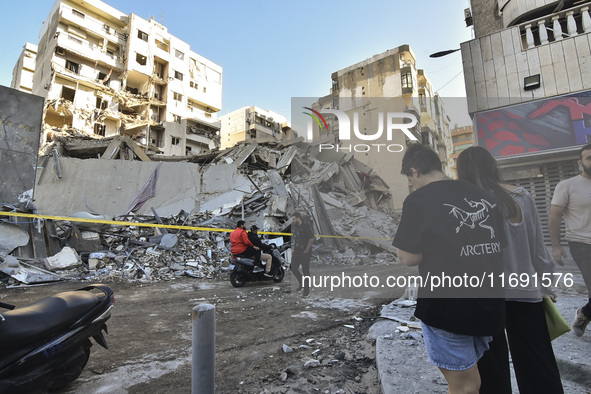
[
  {"x": 389, "y": 82},
  {"x": 248, "y": 123},
  {"x": 103, "y": 73}
]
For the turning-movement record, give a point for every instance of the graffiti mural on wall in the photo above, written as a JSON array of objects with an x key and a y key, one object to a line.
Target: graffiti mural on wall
[
  {"x": 535, "y": 126},
  {"x": 20, "y": 128}
]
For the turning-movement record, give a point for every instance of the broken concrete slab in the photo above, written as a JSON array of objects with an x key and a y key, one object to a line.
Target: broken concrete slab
[
  {"x": 11, "y": 237},
  {"x": 27, "y": 273},
  {"x": 67, "y": 258},
  {"x": 114, "y": 185}
]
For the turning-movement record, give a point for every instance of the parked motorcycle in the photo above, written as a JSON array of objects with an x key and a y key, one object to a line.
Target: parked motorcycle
[
  {"x": 45, "y": 345},
  {"x": 242, "y": 269}
]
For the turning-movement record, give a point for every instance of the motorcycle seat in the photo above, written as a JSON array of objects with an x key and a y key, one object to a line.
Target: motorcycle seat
[
  {"x": 44, "y": 317},
  {"x": 244, "y": 260}
]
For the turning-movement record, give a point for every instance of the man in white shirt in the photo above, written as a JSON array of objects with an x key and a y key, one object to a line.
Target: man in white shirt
[{"x": 572, "y": 198}]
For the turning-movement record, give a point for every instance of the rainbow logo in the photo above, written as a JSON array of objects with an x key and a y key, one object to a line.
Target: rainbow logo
[{"x": 316, "y": 115}]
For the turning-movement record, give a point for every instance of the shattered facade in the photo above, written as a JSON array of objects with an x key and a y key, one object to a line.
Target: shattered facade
[
  {"x": 104, "y": 73},
  {"x": 252, "y": 122},
  {"x": 389, "y": 75}
]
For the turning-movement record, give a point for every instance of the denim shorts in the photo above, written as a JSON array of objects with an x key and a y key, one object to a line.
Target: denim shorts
[{"x": 455, "y": 352}]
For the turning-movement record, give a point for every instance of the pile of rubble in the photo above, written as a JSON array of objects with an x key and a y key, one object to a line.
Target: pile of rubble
[{"x": 349, "y": 206}]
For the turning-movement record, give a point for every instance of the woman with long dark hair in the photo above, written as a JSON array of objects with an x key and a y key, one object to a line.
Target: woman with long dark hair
[{"x": 525, "y": 253}]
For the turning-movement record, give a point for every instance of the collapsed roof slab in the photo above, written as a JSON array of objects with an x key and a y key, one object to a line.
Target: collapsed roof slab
[{"x": 108, "y": 187}]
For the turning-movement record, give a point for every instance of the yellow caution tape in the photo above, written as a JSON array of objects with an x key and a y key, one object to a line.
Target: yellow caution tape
[{"x": 157, "y": 225}]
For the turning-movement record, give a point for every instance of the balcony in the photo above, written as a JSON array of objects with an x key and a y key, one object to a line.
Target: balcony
[
  {"x": 555, "y": 27},
  {"x": 93, "y": 25},
  {"x": 88, "y": 50}
]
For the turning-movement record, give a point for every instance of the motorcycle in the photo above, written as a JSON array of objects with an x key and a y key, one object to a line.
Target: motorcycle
[
  {"x": 45, "y": 345},
  {"x": 242, "y": 269}
]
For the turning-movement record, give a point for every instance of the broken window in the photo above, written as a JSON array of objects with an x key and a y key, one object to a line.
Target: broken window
[
  {"x": 141, "y": 59},
  {"x": 156, "y": 138},
  {"x": 422, "y": 99},
  {"x": 159, "y": 69},
  {"x": 178, "y": 75},
  {"x": 159, "y": 93},
  {"x": 179, "y": 55},
  {"x": 142, "y": 36},
  {"x": 101, "y": 104},
  {"x": 177, "y": 96},
  {"x": 74, "y": 67},
  {"x": 176, "y": 141},
  {"x": 335, "y": 85},
  {"x": 406, "y": 80},
  {"x": 162, "y": 45},
  {"x": 204, "y": 89},
  {"x": 78, "y": 13},
  {"x": 111, "y": 53},
  {"x": 107, "y": 28},
  {"x": 100, "y": 129},
  {"x": 68, "y": 93},
  {"x": 176, "y": 119},
  {"x": 132, "y": 90},
  {"x": 102, "y": 77}
]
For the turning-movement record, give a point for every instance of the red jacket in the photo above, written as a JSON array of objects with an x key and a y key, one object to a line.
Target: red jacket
[{"x": 239, "y": 241}]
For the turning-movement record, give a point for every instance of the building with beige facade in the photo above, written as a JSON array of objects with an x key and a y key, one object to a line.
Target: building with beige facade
[
  {"x": 248, "y": 123},
  {"x": 22, "y": 74},
  {"x": 103, "y": 72},
  {"x": 528, "y": 81},
  {"x": 368, "y": 92},
  {"x": 462, "y": 139}
]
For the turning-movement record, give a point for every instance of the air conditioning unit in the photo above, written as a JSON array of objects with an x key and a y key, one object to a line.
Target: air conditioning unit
[{"x": 60, "y": 51}]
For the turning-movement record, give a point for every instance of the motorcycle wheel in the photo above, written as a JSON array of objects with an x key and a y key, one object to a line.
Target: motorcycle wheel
[
  {"x": 237, "y": 279},
  {"x": 64, "y": 377},
  {"x": 279, "y": 275}
]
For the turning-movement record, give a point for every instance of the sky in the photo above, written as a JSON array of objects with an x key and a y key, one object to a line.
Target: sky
[{"x": 272, "y": 51}]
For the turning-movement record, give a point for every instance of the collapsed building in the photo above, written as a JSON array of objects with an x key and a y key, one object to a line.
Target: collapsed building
[{"x": 262, "y": 182}]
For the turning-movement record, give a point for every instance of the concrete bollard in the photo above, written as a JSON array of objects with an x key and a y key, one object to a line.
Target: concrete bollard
[{"x": 203, "y": 362}]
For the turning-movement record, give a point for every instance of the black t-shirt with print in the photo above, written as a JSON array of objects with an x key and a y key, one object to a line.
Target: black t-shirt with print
[
  {"x": 458, "y": 228},
  {"x": 301, "y": 236}
]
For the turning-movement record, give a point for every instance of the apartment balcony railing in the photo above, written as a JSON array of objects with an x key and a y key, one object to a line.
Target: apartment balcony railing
[{"x": 555, "y": 27}]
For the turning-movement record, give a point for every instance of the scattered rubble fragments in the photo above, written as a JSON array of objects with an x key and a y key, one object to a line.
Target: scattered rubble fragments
[{"x": 262, "y": 182}]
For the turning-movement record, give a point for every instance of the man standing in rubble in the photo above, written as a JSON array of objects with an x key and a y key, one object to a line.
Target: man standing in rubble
[
  {"x": 572, "y": 198},
  {"x": 241, "y": 246},
  {"x": 301, "y": 246},
  {"x": 452, "y": 229}
]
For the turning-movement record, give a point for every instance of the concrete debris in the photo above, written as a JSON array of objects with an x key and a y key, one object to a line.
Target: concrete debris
[
  {"x": 11, "y": 237},
  {"x": 67, "y": 258},
  {"x": 287, "y": 349},
  {"x": 263, "y": 182},
  {"x": 312, "y": 364}
]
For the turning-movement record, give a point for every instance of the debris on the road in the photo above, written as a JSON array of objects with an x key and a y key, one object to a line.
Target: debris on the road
[
  {"x": 287, "y": 349},
  {"x": 312, "y": 364},
  {"x": 262, "y": 182}
]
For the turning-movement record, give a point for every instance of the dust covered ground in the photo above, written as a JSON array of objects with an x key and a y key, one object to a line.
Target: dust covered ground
[
  {"x": 327, "y": 346},
  {"x": 150, "y": 337}
]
